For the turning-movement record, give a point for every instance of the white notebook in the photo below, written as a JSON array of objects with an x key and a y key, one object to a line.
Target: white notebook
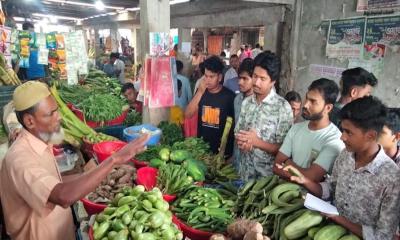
[{"x": 316, "y": 204}]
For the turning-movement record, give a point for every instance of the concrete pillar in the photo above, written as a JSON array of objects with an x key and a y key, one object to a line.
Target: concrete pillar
[
  {"x": 96, "y": 42},
  {"x": 114, "y": 38},
  {"x": 138, "y": 46},
  {"x": 235, "y": 43},
  {"x": 185, "y": 36},
  {"x": 154, "y": 17},
  {"x": 270, "y": 37},
  {"x": 205, "y": 34}
]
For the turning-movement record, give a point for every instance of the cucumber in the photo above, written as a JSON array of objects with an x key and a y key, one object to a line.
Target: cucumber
[
  {"x": 330, "y": 232},
  {"x": 300, "y": 226}
]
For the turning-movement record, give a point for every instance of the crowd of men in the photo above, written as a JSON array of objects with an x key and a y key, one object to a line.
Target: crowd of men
[{"x": 346, "y": 150}]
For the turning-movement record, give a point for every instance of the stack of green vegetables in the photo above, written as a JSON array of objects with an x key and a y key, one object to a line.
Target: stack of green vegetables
[
  {"x": 204, "y": 209},
  {"x": 267, "y": 201},
  {"x": 279, "y": 207},
  {"x": 101, "y": 107},
  {"x": 227, "y": 190},
  {"x": 196, "y": 146},
  {"x": 98, "y": 79},
  {"x": 150, "y": 153},
  {"x": 99, "y": 98},
  {"x": 137, "y": 215},
  {"x": 171, "y": 133},
  {"x": 75, "y": 130},
  {"x": 173, "y": 179},
  {"x": 194, "y": 168},
  {"x": 133, "y": 118}
]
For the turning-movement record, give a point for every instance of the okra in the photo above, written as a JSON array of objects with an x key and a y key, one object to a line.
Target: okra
[{"x": 246, "y": 188}]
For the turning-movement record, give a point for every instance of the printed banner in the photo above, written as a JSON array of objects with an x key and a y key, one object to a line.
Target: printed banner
[
  {"x": 383, "y": 30},
  {"x": 326, "y": 71},
  {"x": 345, "y": 38},
  {"x": 383, "y": 4},
  {"x": 373, "y": 66},
  {"x": 159, "y": 44}
]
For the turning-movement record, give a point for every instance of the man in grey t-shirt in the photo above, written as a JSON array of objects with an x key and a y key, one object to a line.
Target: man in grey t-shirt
[{"x": 312, "y": 146}]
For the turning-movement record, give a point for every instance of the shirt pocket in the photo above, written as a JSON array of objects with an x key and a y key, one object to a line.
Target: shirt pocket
[{"x": 268, "y": 128}]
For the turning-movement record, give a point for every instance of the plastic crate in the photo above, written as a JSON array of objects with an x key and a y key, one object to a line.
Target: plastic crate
[{"x": 116, "y": 131}]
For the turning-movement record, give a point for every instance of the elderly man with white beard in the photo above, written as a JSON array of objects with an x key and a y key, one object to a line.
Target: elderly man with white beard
[{"x": 34, "y": 197}]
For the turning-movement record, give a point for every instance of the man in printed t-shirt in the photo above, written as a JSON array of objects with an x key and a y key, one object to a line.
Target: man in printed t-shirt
[{"x": 213, "y": 103}]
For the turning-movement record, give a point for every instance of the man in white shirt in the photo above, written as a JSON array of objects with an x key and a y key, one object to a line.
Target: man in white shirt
[
  {"x": 257, "y": 50},
  {"x": 313, "y": 145},
  {"x": 119, "y": 67}
]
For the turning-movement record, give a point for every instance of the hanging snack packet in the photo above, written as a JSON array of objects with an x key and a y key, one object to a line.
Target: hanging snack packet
[
  {"x": 51, "y": 41},
  {"x": 60, "y": 41}
]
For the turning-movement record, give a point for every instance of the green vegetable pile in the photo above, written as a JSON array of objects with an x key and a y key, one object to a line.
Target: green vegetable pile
[
  {"x": 266, "y": 201},
  {"x": 101, "y": 107},
  {"x": 136, "y": 214},
  {"x": 74, "y": 128},
  {"x": 218, "y": 170},
  {"x": 133, "y": 118},
  {"x": 171, "y": 133},
  {"x": 98, "y": 79},
  {"x": 204, "y": 209},
  {"x": 173, "y": 179},
  {"x": 228, "y": 190},
  {"x": 99, "y": 98},
  {"x": 151, "y": 153},
  {"x": 196, "y": 146},
  {"x": 196, "y": 169}
]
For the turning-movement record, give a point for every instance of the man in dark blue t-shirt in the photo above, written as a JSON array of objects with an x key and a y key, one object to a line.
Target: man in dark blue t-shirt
[{"x": 213, "y": 103}]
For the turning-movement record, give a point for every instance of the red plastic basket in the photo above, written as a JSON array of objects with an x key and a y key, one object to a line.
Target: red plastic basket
[
  {"x": 147, "y": 176},
  {"x": 104, "y": 150},
  {"x": 190, "y": 232},
  {"x": 91, "y": 207}
]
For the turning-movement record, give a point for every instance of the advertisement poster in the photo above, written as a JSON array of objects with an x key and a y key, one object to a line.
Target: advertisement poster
[
  {"x": 383, "y": 4},
  {"x": 374, "y": 66},
  {"x": 324, "y": 71},
  {"x": 159, "y": 44},
  {"x": 345, "y": 39},
  {"x": 383, "y": 30}
]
